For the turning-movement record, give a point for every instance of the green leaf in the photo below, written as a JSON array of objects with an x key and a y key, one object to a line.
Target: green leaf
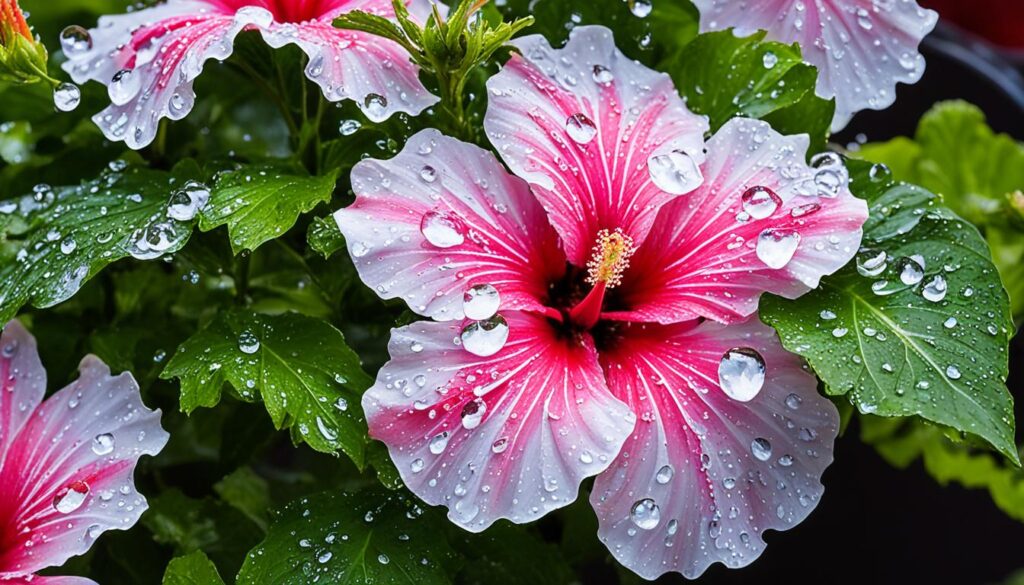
[
  {"x": 259, "y": 203},
  {"x": 372, "y": 537},
  {"x": 309, "y": 379},
  {"x": 248, "y": 493},
  {"x": 947, "y": 460},
  {"x": 56, "y": 239},
  {"x": 193, "y": 569},
  {"x": 496, "y": 556},
  {"x": 324, "y": 237},
  {"x": 723, "y": 76},
  {"x": 901, "y": 349}
]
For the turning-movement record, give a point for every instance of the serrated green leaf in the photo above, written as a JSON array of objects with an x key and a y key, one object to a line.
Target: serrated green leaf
[
  {"x": 372, "y": 537},
  {"x": 898, "y": 344},
  {"x": 56, "y": 239},
  {"x": 308, "y": 378},
  {"x": 193, "y": 569},
  {"x": 723, "y": 76},
  {"x": 324, "y": 237},
  {"x": 261, "y": 202}
]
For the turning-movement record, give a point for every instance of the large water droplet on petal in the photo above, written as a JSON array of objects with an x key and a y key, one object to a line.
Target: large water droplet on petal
[
  {"x": 603, "y": 75},
  {"x": 761, "y": 448},
  {"x": 481, "y": 302},
  {"x": 124, "y": 86},
  {"x": 485, "y": 338},
  {"x": 103, "y": 444},
  {"x": 760, "y": 202},
  {"x": 375, "y": 106},
  {"x": 776, "y": 247},
  {"x": 71, "y": 497},
  {"x": 580, "y": 128},
  {"x": 473, "y": 413},
  {"x": 741, "y": 373},
  {"x": 442, "y": 229},
  {"x": 674, "y": 172},
  {"x": 438, "y": 443},
  {"x": 645, "y": 514},
  {"x": 75, "y": 41}
]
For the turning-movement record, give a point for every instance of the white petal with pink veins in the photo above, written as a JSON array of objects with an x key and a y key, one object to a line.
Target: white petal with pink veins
[
  {"x": 604, "y": 141},
  {"x": 22, "y": 383},
  {"x": 507, "y": 436},
  {"x": 444, "y": 217},
  {"x": 763, "y": 221},
  {"x": 704, "y": 476},
  {"x": 862, "y": 48},
  {"x": 67, "y": 476}
]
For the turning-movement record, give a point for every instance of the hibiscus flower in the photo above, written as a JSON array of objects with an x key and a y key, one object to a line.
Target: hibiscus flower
[
  {"x": 862, "y": 48},
  {"x": 593, "y": 313},
  {"x": 66, "y": 463},
  {"x": 149, "y": 58}
]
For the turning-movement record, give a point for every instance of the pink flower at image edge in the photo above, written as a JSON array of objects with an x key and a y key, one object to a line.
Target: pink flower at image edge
[
  {"x": 595, "y": 314},
  {"x": 66, "y": 463}
]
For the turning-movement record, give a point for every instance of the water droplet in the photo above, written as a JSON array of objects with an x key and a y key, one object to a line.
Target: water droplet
[
  {"x": 256, "y": 15},
  {"x": 124, "y": 86},
  {"x": 438, "y": 443},
  {"x": 871, "y": 262},
  {"x": 674, "y": 172},
  {"x": 383, "y": 559},
  {"x": 67, "y": 96},
  {"x": 349, "y": 127},
  {"x": 793, "y": 401},
  {"x": 603, "y": 75},
  {"x": 761, "y": 448},
  {"x": 485, "y": 338},
  {"x": 911, "y": 272},
  {"x": 75, "y": 41},
  {"x": 500, "y": 445},
  {"x": 741, "y": 373},
  {"x": 68, "y": 246},
  {"x": 776, "y": 246},
  {"x": 375, "y": 106},
  {"x": 71, "y": 497},
  {"x": 641, "y": 8},
  {"x": 442, "y": 229},
  {"x": 417, "y": 465},
  {"x": 103, "y": 444},
  {"x": 473, "y": 413},
  {"x": 664, "y": 474},
  {"x": 645, "y": 514},
  {"x": 248, "y": 343},
  {"x": 155, "y": 240},
  {"x": 949, "y": 323},
  {"x": 953, "y": 372},
  {"x": 770, "y": 60},
  {"x": 481, "y": 302},
  {"x": 760, "y": 202},
  {"x": 188, "y": 201},
  {"x": 428, "y": 174},
  {"x": 935, "y": 289},
  {"x": 581, "y": 128}
]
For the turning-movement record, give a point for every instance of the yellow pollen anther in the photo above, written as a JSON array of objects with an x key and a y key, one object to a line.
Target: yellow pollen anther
[{"x": 610, "y": 259}]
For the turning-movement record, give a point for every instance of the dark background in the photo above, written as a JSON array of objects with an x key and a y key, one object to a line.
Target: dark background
[{"x": 876, "y": 524}]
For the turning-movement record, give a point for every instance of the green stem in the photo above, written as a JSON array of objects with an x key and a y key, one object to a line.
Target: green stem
[{"x": 242, "y": 264}]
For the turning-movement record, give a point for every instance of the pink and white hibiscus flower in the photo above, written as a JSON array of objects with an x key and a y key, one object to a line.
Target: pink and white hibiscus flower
[
  {"x": 593, "y": 315},
  {"x": 149, "y": 58},
  {"x": 66, "y": 463},
  {"x": 862, "y": 48}
]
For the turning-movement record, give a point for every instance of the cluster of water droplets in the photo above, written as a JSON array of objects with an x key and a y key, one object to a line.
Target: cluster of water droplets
[
  {"x": 487, "y": 332},
  {"x": 168, "y": 227}
]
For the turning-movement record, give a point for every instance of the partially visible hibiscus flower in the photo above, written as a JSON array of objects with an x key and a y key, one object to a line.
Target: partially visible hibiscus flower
[
  {"x": 66, "y": 463},
  {"x": 862, "y": 48},
  {"x": 596, "y": 318},
  {"x": 149, "y": 58}
]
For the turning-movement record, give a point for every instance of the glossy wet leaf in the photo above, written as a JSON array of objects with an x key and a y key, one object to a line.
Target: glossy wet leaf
[
  {"x": 300, "y": 367},
  {"x": 259, "y": 203},
  {"x": 723, "y": 76},
  {"x": 57, "y": 238},
  {"x": 193, "y": 569},
  {"x": 373, "y": 537},
  {"x": 927, "y": 334},
  {"x": 324, "y": 237}
]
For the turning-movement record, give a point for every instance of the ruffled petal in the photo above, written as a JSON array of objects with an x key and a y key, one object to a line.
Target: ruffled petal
[
  {"x": 704, "y": 476},
  {"x": 507, "y": 436},
  {"x": 713, "y": 253},
  {"x": 67, "y": 477},
  {"x": 373, "y": 71},
  {"x": 163, "y": 50},
  {"x": 22, "y": 383},
  {"x": 604, "y": 141},
  {"x": 443, "y": 217},
  {"x": 40, "y": 580},
  {"x": 862, "y": 48}
]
